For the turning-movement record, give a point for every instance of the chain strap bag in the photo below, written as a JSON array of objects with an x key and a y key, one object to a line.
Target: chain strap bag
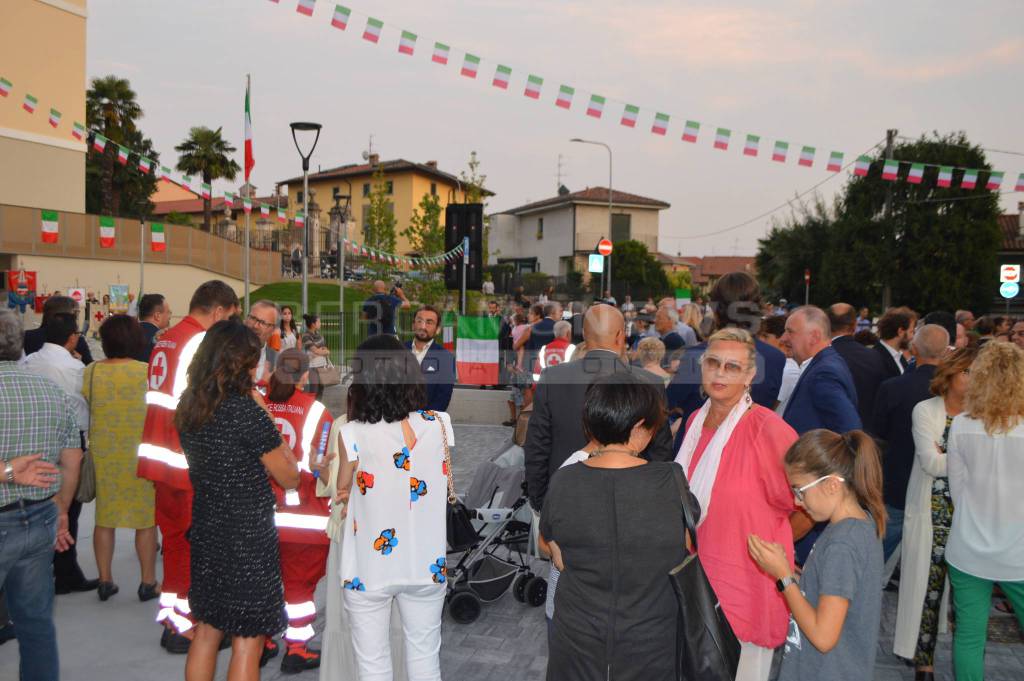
[{"x": 460, "y": 531}]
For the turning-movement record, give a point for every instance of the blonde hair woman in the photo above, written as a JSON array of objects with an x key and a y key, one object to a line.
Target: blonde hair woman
[
  {"x": 650, "y": 352},
  {"x": 985, "y": 464},
  {"x": 692, "y": 316}
]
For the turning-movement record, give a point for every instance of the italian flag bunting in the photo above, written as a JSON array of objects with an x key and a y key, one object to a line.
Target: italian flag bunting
[
  {"x": 945, "y": 176},
  {"x": 122, "y": 155},
  {"x": 722, "y": 136},
  {"x": 157, "y": 237},
  {"x": 752, "y": 145},
  {"x": 373, "y": 29},
  {"x": 891, "y": 169},
  {"x": 565, "y": 94},
  {"x": 144, "y": 164},
  {"x": 165, "y": 173},
  {"x": 54, "y": 117},
  {"x": 250, "y": 160},
  {"x": 229, "y": 198},
  {"x": 340, "y": 18},
  {"x": 970, "y": 179},
  {"x": 502, "y": 75},
  {"x": 99, "y": 142},
  {"x": 596, "y": 106},
  {"x": 476, "y": 350},
  {"x": 51, "y": 230},
  {"x": 281, "y": 216},
  {"x": 264, "y": 210},
  {"x": 995, "y": 180},
  {"x": 470, "y": 65},
  {"x": 440, "y": 55},
  {"x": 247, "y": 205},
  {"x": 407, "y": 43},
  {"x": 835, "y": 162},
  {"x": 629, "y": 116},
  {"x": 106, "y": 232},
  {"x": 533, "y": 86},
  {"x": 30, "y": 104},
  {"x": 5, "y": 87},
  {"x": 204, "y": 190},
  {"x": 690, "y": 131},
  {"x": 1019, "y": 187},
  {"x": 300, "y": 219},
  {"x": 78, "y": 131},
  {"x": 780, "y": 151},
  {"x": 806, "y": 157},
  {"x": 660, "y": 125},
  {"x": 306, "y": 7},
  {"x": 860, "y": 169},
  {"x": 916, "y": 173}
]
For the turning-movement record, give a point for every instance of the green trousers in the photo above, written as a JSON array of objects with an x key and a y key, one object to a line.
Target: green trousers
[{"x": 972, "y": 598}]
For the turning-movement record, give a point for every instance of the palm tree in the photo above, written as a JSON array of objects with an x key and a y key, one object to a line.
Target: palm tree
[
  {"x": 205, "y": 153},
  {"x": 110, "y": 106}
]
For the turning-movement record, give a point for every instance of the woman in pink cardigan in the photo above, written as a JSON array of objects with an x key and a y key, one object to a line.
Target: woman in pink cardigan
[{"x": 732, "y": 454}]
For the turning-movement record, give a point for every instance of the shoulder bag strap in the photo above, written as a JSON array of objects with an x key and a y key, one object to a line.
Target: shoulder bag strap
[
  {"x": 684, "y": 498},
  {"x": 447, "y": 461}
]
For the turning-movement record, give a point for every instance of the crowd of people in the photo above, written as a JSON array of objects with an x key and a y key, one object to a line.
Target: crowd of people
[{"x": 825, "y": 454}]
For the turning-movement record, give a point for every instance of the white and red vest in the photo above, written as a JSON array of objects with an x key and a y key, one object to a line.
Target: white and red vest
[
  {"x": 304, "y": 424},
  {"x": 557, "y": 351},
  {"x": 160, "y": 455}
]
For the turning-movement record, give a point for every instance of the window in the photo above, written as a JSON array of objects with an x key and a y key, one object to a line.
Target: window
[
  {"x": 540, "y": 228},
  {"x": 433, "y": 189},
  {"x": 620, "y": 228},
  {"x": 335, "y": 191},
  {"x": 299, "y": 197},
  {"x": 391, "y": 186},
  {"x": 366, "y": 189}
]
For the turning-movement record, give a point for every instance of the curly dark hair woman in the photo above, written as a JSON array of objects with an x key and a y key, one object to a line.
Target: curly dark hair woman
[{"x": 387, "y": 382}]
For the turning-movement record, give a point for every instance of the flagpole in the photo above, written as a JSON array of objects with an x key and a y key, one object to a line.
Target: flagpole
[
  {"x": 248, "y": 191},
  {"x": 142, "y": 257}
]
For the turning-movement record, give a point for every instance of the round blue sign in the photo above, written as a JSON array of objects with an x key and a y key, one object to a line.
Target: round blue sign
[{"x": 1009, "y": 290}]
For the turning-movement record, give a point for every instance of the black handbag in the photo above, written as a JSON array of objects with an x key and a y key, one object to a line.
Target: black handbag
[
  {"x": 461, "y": 533},
  {"x": 706, "y": 647}
]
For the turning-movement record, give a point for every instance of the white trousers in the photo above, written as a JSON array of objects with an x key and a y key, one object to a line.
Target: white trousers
[
  {"x": 755, "y": 662},
  {"x": 370, "y": 618}
]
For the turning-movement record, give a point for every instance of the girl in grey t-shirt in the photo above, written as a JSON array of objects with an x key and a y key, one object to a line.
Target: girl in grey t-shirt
[{"x": 836, "y": 606}]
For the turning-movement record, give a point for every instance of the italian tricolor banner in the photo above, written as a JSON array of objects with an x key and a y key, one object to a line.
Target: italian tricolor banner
[
  {"x": 660, "y": 125},
  {"x": 144, "y": 164},
  {"x": 30, "y": 104},
  {"x": 264, "y": 210},
  {"x": 916, "y": 174},
  {"x": 945, "y": 176},
  {"x": 533, "y": 86},
  {"x": 476, "y": 350},
  {"x": 891, "y": 169},
  {"x": 502, "y": 75},
  {"x": 860, "y": 169},
  {"x": 629, "y": 116},
  {"x": 407, "y": 43},
  {"x": 806, "y": 157},
  {"x": 165, "y": 173},
  {"x": 300, "y": 219},
  {"x": 751, "y": 146},
  {"x": 229, "y": 198},
  {"x": 99, "y": 142},
  {"x": 204, "y": 190},
  {"x": 250, "y": 159},
  {"x": 470, "y": 65},
  {"x": 995, "y": 180},
  {"x": 440, "y": 55},
  {"x": 1020, "y": 183},
  {"x": 306, "y": 7},
  {"x": 835, "y": 162},
  {"x": 970, "y": 180},
  {"x": 50, "y": 226},
  {"x": 78, "y": 131},
  {"x": 106, "y": 232},
  {"x": 780, "y": 151},
  {"x": 373, "y": 29},
  {"x": 5, "y": 87},
  {"x": 596, "y": 106},
  {"x": 722, "y": 136},
  {"x": 157, "y": 237},
  {"x": 565, "y": 94},
  {"x": 122, "y": 155},
  {"x": 281, "y": 216},
  {"x": 54, "y": 117},
  {"x": 340, "y": 18},
  {"x": 247, "y": 205},
  {"x": 690, "y": 131}
]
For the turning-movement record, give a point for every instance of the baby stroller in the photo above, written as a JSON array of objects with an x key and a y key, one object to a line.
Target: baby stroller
[{"x": 497, "y": 560}]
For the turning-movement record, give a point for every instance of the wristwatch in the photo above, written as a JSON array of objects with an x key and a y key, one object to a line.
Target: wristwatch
[
  {"x": 9, "y": 473},
  {"x": 781, "y": 584}
]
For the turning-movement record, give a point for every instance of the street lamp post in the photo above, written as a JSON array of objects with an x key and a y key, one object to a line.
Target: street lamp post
[
  {"x": 305, "y": 127},
  {"x": 602, "y": 144}
]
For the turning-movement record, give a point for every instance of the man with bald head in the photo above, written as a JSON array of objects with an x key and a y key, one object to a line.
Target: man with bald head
[
  {"x": 892, "y": 424},
  {"x": 379, "y": 309},
  {"x": 556, "y": 425},
  {"x": 864, "y": 364}
]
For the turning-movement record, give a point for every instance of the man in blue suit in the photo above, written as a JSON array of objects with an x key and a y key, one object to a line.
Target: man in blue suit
[{"x": 436, "y": 363}]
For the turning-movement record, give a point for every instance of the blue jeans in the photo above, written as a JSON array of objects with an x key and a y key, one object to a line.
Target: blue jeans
[
  {"x": 893, "y": 530},
  {"x": 26, "y": 573}
]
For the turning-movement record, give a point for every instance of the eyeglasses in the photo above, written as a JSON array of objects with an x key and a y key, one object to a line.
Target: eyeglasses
[
  {"x": 729, "y": 367},
  {"x": 265, "y": 325},
  {"x": 798, "y": 492}
]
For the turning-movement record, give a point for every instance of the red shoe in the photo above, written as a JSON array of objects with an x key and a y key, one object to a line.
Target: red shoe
[
  {"x": 270, "y": 649},
  {"x": 299, "y": 658}
]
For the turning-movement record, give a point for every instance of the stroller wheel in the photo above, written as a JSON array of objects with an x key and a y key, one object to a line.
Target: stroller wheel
[
  {"x": 519, "y": 587},
  {"x": 536, "y": 591},
  {"x": 464, "y": 607}
]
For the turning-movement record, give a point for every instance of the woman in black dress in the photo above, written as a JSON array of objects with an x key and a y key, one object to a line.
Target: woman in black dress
[
  {"x": 231, "y": 443},
  {"x": 614, "y": 525}
]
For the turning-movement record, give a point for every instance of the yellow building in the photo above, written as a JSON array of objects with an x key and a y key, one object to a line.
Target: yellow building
[
  {"x": 407, "y": 183},
  {"x": 42, "y": 54}
]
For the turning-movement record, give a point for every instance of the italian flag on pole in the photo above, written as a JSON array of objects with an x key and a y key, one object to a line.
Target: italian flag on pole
[
  {"x": 476, "y": 350},
  {"x": 157, "y": 238},
  {"x": 690, "y": 131},
  {"x": 860, "y": 169},
  {"x": 250, "y": 160},
  {"x": 835, "y": 162},
  {"x": 106, "y": 232},
  {"x": 502, "y": 75},
  {"x": 470, "y": 65},
  {"x": 660, "y": 125},
  {"x": 340, "y": 18},
  {"x": 596, "y": 106},
  {"x": 306, "y": 7},
  {"x": 372, "y": 30},
  {"x": 533, "y": 86},
  {"x": 30, "y": 104},
  {"x": 565, "y": 94},
  {"x": 78, "y": 131},
  {"x": 945, "y": 176},
  {"x": 722, "y": 136},
  {"x": 629, "y": 116},
  {"x": 891, "y": 169},
  {"x": 407, "y": 43},
  {"x": 970, "y": 179},
  {"x": 50, "y": 227},
  {"x": 54, "y": 117},
  {"x": 122, "y": 155},
  {"x": 806, "y": 157},
  {"x": 916, "y": 173},
  {"x": 440, "y": 55},
  {"x": 750, "y": 148},
  {"x": 780, "y": 151},
  {"x": 995, "y": 180},
  {"x": 5, "y": 87}
]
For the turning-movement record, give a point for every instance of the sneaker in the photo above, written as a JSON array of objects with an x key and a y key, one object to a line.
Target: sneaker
[
  {"x": 177, "y": 644},
  {"x": 270, "y": 650},
  {"x": 299, "y": 658}
]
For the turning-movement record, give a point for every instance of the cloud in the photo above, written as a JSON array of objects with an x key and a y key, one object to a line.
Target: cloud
[{"x": 932, "y": 67}]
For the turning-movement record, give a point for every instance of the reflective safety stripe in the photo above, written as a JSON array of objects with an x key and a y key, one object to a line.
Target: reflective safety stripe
[
  {"x": 569, "y": 350},
  {"x": 301, "y": 521},
  {"x": 159, "y": 399},
  {"x": 298, "y": 611},
  {"x": 164, "y": 455},
  {"x": 184, "y": 359},
  {"x": 181, "y": 624},
  {"x": 181, "y": 605},
  {"x": 167, "y": 599},
  {"x": 299, "y": 633},
  {"x": 291, "y": 498},
  {"x": 313, "y": 416},
  {"x": 164, "y": 614}
]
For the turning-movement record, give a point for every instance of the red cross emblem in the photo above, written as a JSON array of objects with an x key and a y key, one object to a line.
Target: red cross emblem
[{"x": 158, "y": 370}]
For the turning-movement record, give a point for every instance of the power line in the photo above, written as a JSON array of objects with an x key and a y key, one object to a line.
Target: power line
[
  {"x": 967, "y": 146},
  {"x": 965, "y": 198}
]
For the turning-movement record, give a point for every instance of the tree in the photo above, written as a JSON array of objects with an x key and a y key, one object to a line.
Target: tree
[
  {"x": 110, "y": 188},
  {"x": 205, "y": 153},
  {"x": 635, "y": 271},
  {"x": 380, "y": 219},
  {"x": 425, "y": 231},
  {"x": 475, "y": 192}
]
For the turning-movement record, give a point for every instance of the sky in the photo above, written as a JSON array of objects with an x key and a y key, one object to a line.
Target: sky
[{"x": 833, "y": 74}]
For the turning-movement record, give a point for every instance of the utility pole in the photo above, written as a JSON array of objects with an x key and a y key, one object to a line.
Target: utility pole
[{"x": 890, "y": 136}]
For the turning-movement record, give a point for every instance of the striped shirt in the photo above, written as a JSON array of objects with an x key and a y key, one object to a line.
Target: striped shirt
[{"x": 35, "y": 417}]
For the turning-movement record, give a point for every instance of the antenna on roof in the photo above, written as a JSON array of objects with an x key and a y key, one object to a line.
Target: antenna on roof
[
  {"x": 368, "y": 152},
  {"x": 561, "y": 174}
]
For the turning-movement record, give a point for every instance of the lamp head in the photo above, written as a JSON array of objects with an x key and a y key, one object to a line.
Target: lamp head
[{"x": 305, "y": 126}]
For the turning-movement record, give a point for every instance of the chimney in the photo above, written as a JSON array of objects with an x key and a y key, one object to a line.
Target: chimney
[
  {"x": 374, "y": 159},
  {"x": 431, "y": 164}
]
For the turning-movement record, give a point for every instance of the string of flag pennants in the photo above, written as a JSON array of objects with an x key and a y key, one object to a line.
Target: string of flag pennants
[{"x": 722, "y": 138}]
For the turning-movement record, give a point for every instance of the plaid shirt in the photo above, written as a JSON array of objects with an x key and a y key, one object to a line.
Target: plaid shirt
[{"x": 35, "y": 417}]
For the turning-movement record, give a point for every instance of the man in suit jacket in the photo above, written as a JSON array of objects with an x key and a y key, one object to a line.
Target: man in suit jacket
[
  {"x": 36, "y": 338},
  {"x": 865, "y": 365},
  {"x": 436, "y": 363},
  {"x": 556, "y": 428},
  {"x": 154, "y": 317},
  {"x": 895, "y": 331},
  {"x": 892, "y": 424}
]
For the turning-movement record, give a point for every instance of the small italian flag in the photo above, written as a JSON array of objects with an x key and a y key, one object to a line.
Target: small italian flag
[
  {"x": 502, "y": 75},
  {"x": 281, "y": 216},
  {"x": 440, "y": 55},
  {"x": 690, "y": 131},
  {"x": 995, "y": 180},
  {"x": 596, "y": 106},
  {"x": 916, "y": 173},
  {"x": 106, "y": 232},
  {"x": 860, "y": 168},
  {"x": 78, "y": 131},
  {"x": 264, "y": 210},
  {"x": 970, "y": 180},
  {"x": 186, "y": 182},
  {"x": 372, "y": 30},
  {"x": 122, "y": 155},
  {"x": 565, "y": 94},
  {"x": 99, "y": 142},
  {"x": 1020, "y": 183},
  {"x": 5, "y": 87},
  {"x": 144, "y": 164},
  {"x": 300, "y": 219},
  {"x": 629, "y": 116},
  {"x": 533, "y": 86},
  {"x": 340, "y": 18},
  {"x": 470, "y": 65},
  {"x": 51, "y": 230},
  {"x": 54, "y": 118},
  {"x": 204, "y": 190},
  {"x": 660, "y": 125},
  {"x": 229, "y": 199},
  {"x": 407, "y": 43},
  {"x": 476, "y": 350},
  {"x": 891, "y": 169},
  {"x": 806, "y": 156},
  {"x": 30, "y": 104},
  {"x": 157, "y": 237},
  {"x": 751, "y": 146},
  {"x": 945, "y": 176},
  {"x": 722, "y": 136},
  {"x": 247, "y": 205},
  {"x": 306, "y": 7},
  {"x": 780, "y": 151},
  {"x": 835, "y": 162}
]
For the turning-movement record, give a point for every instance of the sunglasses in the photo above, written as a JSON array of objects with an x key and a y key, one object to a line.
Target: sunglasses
[
  {"x": 728, "y": 367},
  {"x": 798, "y": 492}
]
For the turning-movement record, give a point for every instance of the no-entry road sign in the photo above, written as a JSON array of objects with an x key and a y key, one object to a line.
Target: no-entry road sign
[{"x": 604, "y": 247}]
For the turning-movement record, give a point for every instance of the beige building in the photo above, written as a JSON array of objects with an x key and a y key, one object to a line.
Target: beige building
[{"x": 42, "y": 53}]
